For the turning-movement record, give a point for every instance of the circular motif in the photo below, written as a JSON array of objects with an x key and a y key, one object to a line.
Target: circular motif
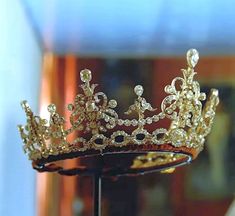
[
  {"x": 158, "y": 135},
  {"x": 178, "y": 137},
  {"x": 119, "y": 138},
  {"x": 139, "y": 136},
  {"x": 98, "y": 141}
]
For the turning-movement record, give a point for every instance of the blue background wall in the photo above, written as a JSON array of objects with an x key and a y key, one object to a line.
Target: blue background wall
[{"x": 20, "y": 62}]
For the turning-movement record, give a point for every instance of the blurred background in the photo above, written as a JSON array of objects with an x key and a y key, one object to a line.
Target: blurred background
[{"x": 43, "y": 46}]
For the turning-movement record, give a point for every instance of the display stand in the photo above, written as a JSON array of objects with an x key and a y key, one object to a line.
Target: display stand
[
  {"x": 111, "y": 165},
  {"x": 97, "y": 184}
]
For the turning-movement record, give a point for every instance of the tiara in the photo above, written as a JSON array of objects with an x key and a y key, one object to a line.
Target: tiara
[{"x": 97, "y": 131}]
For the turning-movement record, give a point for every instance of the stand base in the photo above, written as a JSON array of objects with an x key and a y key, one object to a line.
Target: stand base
[{"x": 131, "y": 161}]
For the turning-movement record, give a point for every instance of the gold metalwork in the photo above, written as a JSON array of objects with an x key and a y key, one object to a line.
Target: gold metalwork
[
  {"x": 153, "y": 159},
  {"x": 93, "y": 115}
]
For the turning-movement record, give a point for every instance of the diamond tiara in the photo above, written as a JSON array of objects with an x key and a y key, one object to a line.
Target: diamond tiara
[{"x": 98, "y": 129}]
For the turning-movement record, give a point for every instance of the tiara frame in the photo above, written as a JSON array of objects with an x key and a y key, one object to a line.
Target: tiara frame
[{"x": 100, "y": 132}]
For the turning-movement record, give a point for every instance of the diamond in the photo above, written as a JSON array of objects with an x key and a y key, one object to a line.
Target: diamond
[
  {"x": 142, "y": 121},
  {"x": 162, "y": 115},
  {"x": 112, "y": 103},
  {"x": 189, "y": 144},
  {"x": 70, "y": 107},
  {"x": 127, "y": 122},
  {"x": 178, "y": 137},
  {"x": 169, "y": 111},
  {"x": 169, "y": 89},
  {"x": 85, "y": 75},
  {"x": 149, "y": 120},
  {"x": 202, "y": 96},
  {"x": 134, "y": 122},
  {"x": 112, "y": 121},
  {"x": 90, "y": 105},
  {"x": 120, "y": 122},
  {"x": 24, "y": 104},
  {"x": 190, "y": 95},
  {"x": 139, "y": 90},
  {"x": 155, "y": 118},
  {"x": 51, "y": 108},
  {"x": 144, "y": 104},
  {"x": 192, "y": 57},
  {"x": 106, "y": 118}
]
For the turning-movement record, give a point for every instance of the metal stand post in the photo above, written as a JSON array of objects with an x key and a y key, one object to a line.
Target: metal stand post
[{"x": 97, "y": 180}]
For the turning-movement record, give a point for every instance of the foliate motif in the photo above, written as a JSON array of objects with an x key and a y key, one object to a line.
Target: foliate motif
[{"x": 93, "y": 115}]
